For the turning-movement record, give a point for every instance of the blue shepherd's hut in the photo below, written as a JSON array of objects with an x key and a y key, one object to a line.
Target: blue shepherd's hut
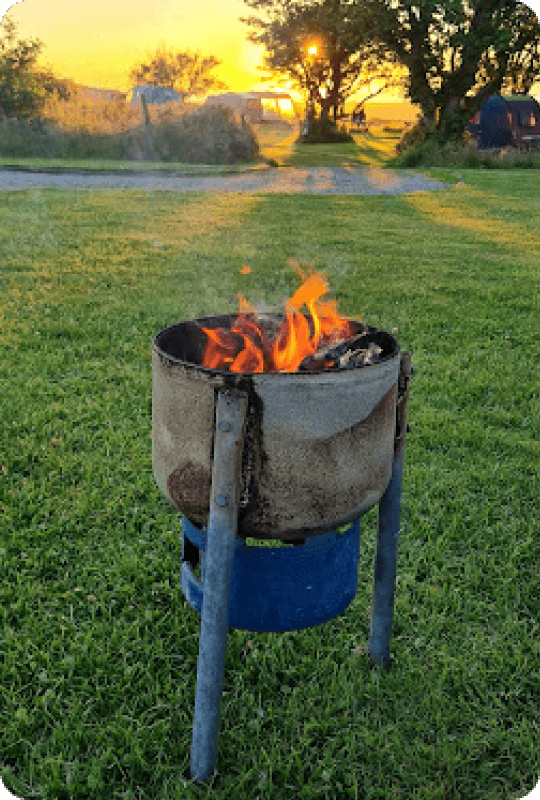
[
  {"x": 494, "y": 127},
  {"x": 512, "y": 120}
]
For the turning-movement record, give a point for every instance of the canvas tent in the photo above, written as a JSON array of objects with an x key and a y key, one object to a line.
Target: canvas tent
[
  {"x": 253, "y": 105},
  {"x": 509, "y": 121}
]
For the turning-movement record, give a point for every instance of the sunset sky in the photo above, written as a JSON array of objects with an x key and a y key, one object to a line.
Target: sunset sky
[{"x": 97, "y": 43}]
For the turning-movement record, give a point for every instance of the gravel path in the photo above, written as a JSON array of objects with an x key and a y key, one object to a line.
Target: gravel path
[{"x": 295, "y": 180}]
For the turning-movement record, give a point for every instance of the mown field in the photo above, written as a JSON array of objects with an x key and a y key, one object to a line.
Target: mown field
[{"x": 99, "y": 646}]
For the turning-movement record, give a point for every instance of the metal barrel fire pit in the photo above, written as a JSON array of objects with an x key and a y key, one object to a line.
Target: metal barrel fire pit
[
  {"x": 288, "y": 456},
  {"x": 318, "y": 446}
]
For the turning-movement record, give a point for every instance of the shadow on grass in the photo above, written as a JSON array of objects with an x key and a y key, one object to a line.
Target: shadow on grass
[
  {"x": 370, "y": 148},
  {"x": 375, "y": 148}
]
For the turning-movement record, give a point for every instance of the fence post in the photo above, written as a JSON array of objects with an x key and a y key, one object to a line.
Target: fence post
[{"x": 150, "y": 149}]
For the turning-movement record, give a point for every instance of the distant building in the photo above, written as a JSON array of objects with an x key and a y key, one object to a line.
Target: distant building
[
  {"x": 256, "y": 106},
  {"x": 154, "y": 95}
]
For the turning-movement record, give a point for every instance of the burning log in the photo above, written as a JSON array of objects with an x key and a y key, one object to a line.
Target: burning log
[{"x": 347, "y": 354}]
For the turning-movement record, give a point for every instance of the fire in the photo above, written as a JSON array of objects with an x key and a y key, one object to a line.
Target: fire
[{"x": 244, "y": 347}]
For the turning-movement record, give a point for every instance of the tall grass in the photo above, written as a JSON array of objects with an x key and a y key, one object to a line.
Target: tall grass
[
  {"x": 86, "y": 114},
  {"x": 86, "y": 127},
  {"x": 466, "y": 154}
]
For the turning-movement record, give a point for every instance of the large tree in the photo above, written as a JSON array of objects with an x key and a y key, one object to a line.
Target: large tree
[
  {"x": 186, "y": 72},
  {"x": 24, "y": 88},
  {"x": 315, "y": 46},
  {"x": 458, "y": 53}
]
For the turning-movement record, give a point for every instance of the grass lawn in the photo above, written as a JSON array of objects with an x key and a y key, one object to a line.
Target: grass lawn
[
  {"x": 99, "y": 646},
  {"x": 105, "y": 165},
  {"x": 372, "y": 148}
]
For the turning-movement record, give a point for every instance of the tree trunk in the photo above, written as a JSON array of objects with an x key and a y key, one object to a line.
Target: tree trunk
[{"x": 325, "y": 108}]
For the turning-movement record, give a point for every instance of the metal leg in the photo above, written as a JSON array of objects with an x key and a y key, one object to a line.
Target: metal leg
[
  {"x": 220, "y": 546},
  {"x": 382, "y": 608}
]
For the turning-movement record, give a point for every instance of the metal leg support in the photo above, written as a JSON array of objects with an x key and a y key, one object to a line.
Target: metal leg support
[
  {"x": 382, "y": 608},
  {"x": 220, "y": 545}
]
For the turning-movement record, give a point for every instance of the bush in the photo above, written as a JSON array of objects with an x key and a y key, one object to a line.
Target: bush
[
  {"x": 325, "y": 132},
  {"x": 413, "y": 137},
  {"x": 430, "y": 153},
  {"x": 207, "y": 136},
  {"x": 204, "y": 136}
]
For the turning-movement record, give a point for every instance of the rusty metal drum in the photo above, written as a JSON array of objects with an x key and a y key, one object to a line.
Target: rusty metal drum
[{"x": 318, "y": 446}]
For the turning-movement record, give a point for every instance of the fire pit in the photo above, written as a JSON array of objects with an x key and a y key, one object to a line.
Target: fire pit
[
  {"x": 304, "y": 441},
  {"x": 318, "y": 446}
]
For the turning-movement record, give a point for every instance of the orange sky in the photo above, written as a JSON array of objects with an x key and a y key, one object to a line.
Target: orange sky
[{"x": 97, "y": 43}]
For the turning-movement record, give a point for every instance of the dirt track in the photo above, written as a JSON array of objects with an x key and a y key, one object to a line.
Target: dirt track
[{"x": 310, "y": 180}]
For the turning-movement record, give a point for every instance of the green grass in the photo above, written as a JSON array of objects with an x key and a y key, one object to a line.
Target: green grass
[
  {"x": 96, "y": 164},
  {"x": 99, "y": 646},
  {"x": 372, "y": 148}
]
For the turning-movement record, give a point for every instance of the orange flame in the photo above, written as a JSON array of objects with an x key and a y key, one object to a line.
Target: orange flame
[{"x": 244, "y": 347}]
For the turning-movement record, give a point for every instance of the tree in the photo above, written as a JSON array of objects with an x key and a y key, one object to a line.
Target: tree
[
  {"x": 314, "y": 44},
  {"x": 458, "y": 53},
  {"x": 187, "y": 73},
  {"x": 23, "y": 88}
]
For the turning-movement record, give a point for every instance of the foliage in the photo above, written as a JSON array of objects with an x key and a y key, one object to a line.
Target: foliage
[
  {"x": 204, "y": 136},
  {"x": 430, "y": 153},
  {"x": 345, "y": 62},
  {"x": 23, "y": 88},
  {"x": 186, "y": 72},
  {"x": 28, "y": 138},
  {"x": 459, "y": 53},
  {"x": 413, "y": 137},
  {"x": 212, "y": 135}
]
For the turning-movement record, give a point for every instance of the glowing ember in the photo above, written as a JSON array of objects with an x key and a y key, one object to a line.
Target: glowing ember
[{"x": 244, "y": 347}]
